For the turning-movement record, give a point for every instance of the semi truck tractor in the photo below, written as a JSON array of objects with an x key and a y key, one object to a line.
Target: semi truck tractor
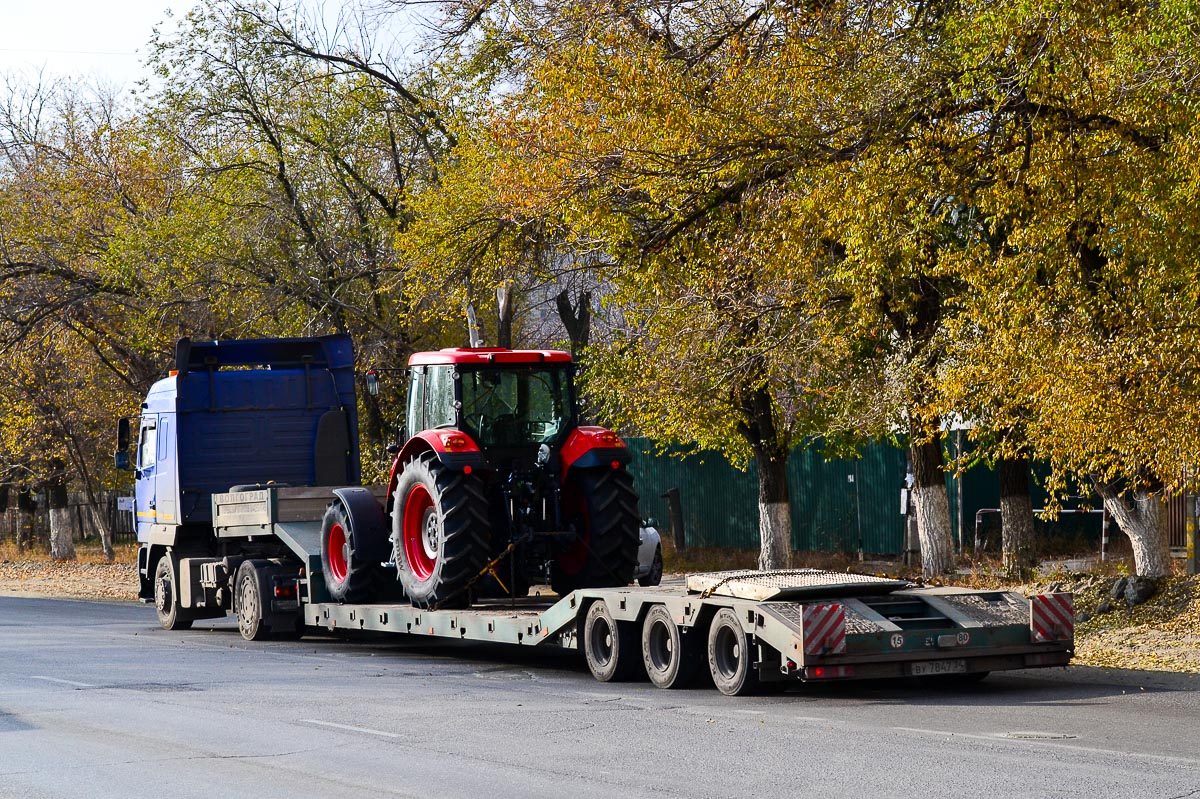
[{"x": 249, "y": 501}]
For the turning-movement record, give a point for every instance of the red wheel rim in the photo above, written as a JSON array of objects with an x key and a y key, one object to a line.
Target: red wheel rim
[
  {"x": 338, "y": 568},
  {"x": 420, "y": 532},
  {"x": 574, "y": 558}
]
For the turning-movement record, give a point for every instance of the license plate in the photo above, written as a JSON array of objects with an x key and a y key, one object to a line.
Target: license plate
[{"x": 938, "y": 667}]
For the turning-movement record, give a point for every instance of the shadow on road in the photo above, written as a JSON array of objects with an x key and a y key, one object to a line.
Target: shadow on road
[{"x": 1075, "y": 684}]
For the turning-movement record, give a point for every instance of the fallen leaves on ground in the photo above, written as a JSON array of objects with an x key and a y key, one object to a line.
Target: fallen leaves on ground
[{"x": 65, "y": 579}]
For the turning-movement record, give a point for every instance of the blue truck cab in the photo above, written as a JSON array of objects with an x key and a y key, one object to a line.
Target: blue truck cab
[{"x": 238, "y": 413}]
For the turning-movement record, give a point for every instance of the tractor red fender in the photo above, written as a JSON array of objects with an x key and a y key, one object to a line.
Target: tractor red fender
[
  {"x": 454, "y": 448},
  {"x": 594, "y": 446}
]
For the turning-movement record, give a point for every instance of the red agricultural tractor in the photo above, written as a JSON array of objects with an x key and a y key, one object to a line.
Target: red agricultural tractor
[{"x": 498, "y": 487}]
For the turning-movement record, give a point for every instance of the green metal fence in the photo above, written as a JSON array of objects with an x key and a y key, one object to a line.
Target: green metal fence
[{"x": 835, "y": 503}]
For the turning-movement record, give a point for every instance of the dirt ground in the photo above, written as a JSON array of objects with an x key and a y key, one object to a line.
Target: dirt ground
[
  {"x": 71, "y": 580},
  {"x": 1162, "y": 634}
]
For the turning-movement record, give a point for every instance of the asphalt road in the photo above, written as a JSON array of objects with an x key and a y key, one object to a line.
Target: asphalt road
[{"x": 97, "y": 701}]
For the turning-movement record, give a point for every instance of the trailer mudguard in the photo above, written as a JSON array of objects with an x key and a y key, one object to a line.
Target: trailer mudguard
[
  {"x": 454, "y": 450},
  {"x": 368, "y": 520}
]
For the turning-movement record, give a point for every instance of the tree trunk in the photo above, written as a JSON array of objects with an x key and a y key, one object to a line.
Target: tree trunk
[
  {"x": 504, "y": 316},
  {"x": 774, "y": 510},
  {"x": 62, "y": 540},
  {"x": 100, "y": 520},
  {"x": 932, "y": 506},
  {"x": 577, "y": 319},
  {"x": 25, "y": 521},
  {"x": 474, "y": 333},
  {"x": 1145, "y": 524},
  {"x": 1016, "y": 516}
]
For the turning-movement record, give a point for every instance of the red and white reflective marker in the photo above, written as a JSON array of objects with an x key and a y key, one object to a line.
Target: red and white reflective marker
[
  {"x": 824, "y": 629},
  {"x": 1052, "y": 617}
]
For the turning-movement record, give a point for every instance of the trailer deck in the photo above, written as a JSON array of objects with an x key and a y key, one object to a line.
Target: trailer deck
[{"x": 802, "y": 624}]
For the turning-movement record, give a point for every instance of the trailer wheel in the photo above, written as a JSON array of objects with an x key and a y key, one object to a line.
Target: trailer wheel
[
  {"x": 602, "y": 505},
  {"x": 439, "y": 532},
  {"x": 610, "y": 646},
  {"x": 729, "y": 656},
  {"x": 250, "y": 603},
  {"x": 654, "y": 576},
  {"x": 166, "y": 596},
  {"x": 668, "y": 653},
  {"x": 350, "y": 576}
]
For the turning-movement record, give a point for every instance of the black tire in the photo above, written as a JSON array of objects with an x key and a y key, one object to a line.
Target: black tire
[
  {"x": 654, "y": 576},
  {"x": 669, "y": 654},
  {"x": 610, "y": 646},
  {"x": 166, "y": 596},
  {"x": 730, "y": 656},
  {"x": 250, "y": 603},
  {"x": 439, "y": 532},
  {"x": 602, "y": 505},
  {"x": 351, "y": 574}
]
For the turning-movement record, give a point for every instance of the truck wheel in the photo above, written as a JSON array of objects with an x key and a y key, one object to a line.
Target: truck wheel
[
  {"x": 610, "y": 646},
  {"x": 166, "y": 596},
  {"x": 729, "y": 656},
  {"x": 602, "y": 505},
  {"x": 349, "y": 575},
  {"x": 654, "y": 576},
  {"x": 669, "y": 654},
  {"x": 439, "y": 532},
  {"x": 250, "y": 603}
]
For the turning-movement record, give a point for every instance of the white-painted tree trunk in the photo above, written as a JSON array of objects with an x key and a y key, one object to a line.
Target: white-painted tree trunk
[
  {"x": 1145, "y": 524},
  {"x": 932, "y": 506},
  {"x": 775, "y": 533},
  {"x": 62, "y": 544}
]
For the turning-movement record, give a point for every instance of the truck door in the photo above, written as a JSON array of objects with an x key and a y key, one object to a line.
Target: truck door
[
  {"x": 144, "y": 475},
  {"x": 165, "y": 473}
]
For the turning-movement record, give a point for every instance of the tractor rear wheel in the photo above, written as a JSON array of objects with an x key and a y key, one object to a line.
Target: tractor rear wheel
[
  {"x": 602, "y": 505},
  {"x": 439, "y": 532}
]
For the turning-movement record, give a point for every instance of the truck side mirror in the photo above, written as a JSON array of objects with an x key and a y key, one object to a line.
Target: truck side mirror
[
  {"x": 121, "y": 457},
  {"x": 373, "y": 383}
]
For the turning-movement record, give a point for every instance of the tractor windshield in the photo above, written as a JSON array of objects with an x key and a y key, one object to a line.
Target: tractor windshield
[{"x": 516, "y": 406}]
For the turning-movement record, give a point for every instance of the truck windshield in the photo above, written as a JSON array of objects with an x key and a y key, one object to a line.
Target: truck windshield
[{"x": 515, "y": 406}]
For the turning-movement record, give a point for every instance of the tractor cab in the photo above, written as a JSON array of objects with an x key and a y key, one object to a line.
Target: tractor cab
[{"x": 510, "y": 403}]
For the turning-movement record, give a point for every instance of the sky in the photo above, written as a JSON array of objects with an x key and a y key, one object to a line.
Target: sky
[{"x": 108, "y": 40}]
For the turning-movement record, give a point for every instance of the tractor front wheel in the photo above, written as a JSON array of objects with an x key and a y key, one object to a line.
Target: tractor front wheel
[
  {"x": 351, "y": 574},
  {"x": 439, "y": 532}
]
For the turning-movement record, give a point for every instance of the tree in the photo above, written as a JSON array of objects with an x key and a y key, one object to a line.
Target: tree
[{"x": 1081, "y": 281}]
